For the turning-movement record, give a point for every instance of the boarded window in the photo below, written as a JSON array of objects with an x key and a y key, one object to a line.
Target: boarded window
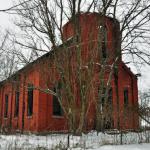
[
  {"x": 6, "y": 106},
  {"x": 30, "y": 100},
  {"x": 16, "y": 104},
  {"x": 57, "y": 110},
  {"x": 126, "y": 97}
]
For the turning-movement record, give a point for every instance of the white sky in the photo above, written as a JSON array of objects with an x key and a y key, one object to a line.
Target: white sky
[
  {"x": 6, "y": 22},
  {"x": 5, "y": 19}
]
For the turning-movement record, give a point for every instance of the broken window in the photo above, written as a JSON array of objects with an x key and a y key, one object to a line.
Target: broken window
[
  {"x": 57, "y": 110},
  {"x": 6, "y": 106},
  {"x": 17, "y": 93},
  {"x": 30, "y": 100}
]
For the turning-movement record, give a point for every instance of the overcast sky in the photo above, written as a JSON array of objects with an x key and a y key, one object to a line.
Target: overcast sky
[
  {"x": 5, "y": 19},
  {"x": 6, "y": 22}
]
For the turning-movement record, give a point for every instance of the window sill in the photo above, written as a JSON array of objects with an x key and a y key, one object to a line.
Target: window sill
[
  {"x": 29, "y": 117},
  {"x": 59, "y": 117},
  {"x": 16, "y": 118}
]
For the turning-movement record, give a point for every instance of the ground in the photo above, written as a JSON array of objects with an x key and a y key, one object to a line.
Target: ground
[
  {"x": 143, "y": 146},
  {"x": 90, "y": 141}
]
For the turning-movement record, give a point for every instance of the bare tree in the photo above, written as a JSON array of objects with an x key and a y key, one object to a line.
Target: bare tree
[
  {"x": 7, "y": 59},
  {"x": 144, "y": 108},
  {"x": 41, "y": 23}
]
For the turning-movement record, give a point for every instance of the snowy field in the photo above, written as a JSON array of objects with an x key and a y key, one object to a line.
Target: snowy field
[
  {"x": 125, "y": 147},
  {"x": 91, "y": 141}
]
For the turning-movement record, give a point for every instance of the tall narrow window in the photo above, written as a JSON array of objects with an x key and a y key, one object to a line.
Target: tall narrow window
[
  {"x": 30, "y": 100},
  {"x": 106, "y": 109},
  {"x": 6, "y": 106},
  {"x": 103, "y": 99},
  {"x": 106, "y": 102},
  {"x": 103, "y": 31},
  {"x": 126, "y": 98},
  {"x": 110, "y": 96},
  {"x": 57, "y": 110},
  {"x": 16, "y": 104}
]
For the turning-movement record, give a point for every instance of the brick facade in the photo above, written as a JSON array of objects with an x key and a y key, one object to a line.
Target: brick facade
[{"x": 43, "y": 69}]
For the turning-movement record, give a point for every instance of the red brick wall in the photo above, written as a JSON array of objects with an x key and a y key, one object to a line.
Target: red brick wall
[
  {"x": 44, "y": 75},
  {"x": 30, "y": 123}
]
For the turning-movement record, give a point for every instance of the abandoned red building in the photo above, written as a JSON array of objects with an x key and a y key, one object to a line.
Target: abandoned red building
[{"x": 25, "y": 108}]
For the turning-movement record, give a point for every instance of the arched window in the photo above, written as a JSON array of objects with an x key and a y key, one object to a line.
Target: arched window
[{"x": 103, "y": 33}]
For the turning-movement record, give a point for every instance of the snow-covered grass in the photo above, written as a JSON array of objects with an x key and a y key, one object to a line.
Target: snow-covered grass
[
  {"x": 143, "y": 146},
  {"x": 92, "y": 140}
]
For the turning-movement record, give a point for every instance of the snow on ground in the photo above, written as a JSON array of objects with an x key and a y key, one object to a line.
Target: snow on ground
[
  {"x": 143, "y": 146},
  {"x": 91, "y": 141}
]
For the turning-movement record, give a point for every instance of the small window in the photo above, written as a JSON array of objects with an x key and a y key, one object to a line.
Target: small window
[
  {"x": 17, "y": 93},
  {"x": 126, "y": 99},
  {"x": 30, "y": 100},
  {"x": 57, "y": 110},
  {"x": 6, "y": 106}
]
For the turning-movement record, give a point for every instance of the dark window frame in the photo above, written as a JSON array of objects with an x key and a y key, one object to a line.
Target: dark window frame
[
  {"x": 17, "y": 98},
  {"x": 30, "y": 100},
  {"x": 57, "y": 109},
  {"x": 6, "y": 106}
]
